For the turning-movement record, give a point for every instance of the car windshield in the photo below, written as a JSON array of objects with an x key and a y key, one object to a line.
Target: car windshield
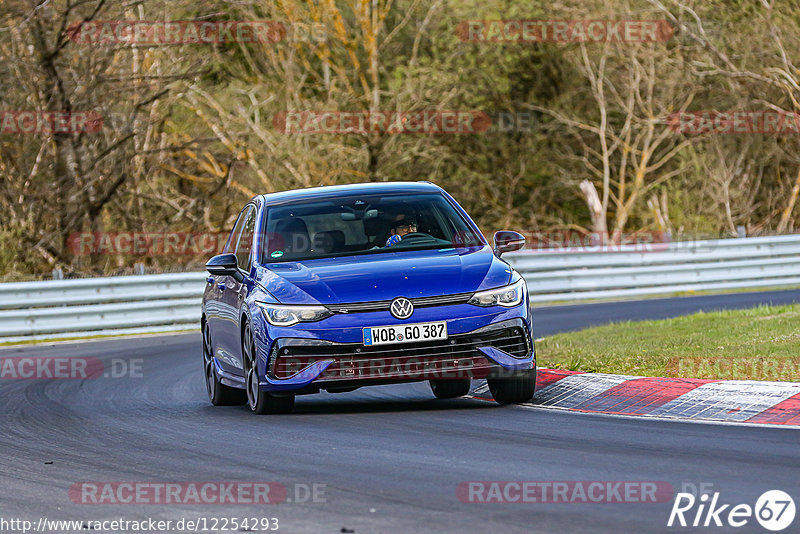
[{"x": 363, "y": 224}]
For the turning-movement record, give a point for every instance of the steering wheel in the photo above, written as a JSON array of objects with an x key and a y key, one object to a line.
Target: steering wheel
[{"x": 416, "y": 236}]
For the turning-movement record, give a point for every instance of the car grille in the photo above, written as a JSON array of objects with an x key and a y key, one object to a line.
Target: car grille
[
  {"x": 383, "y": 305},
  {"x": 455, "y": 357}
]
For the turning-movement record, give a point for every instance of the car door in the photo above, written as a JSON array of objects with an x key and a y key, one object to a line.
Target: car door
[
  {"x": 220, "y": 313},
  {"x": 239, "y": 289}
]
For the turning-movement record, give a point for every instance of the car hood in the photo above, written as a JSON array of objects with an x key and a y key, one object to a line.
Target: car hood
[{"x": 375, "y": 277}]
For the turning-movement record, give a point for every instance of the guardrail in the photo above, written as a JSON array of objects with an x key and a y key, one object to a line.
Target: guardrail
[
  {"x": 165, "y": 302},
  {"x": 659, "y": 269},
  {"x": 96, "y": 306}
]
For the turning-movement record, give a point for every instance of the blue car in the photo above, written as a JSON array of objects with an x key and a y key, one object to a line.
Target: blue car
[{"x": 335, "y": 288}]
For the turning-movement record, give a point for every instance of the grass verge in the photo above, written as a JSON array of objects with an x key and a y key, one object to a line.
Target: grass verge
[
  {"x": 676, "y": 294},
  {"x": 760, "y": 343}
]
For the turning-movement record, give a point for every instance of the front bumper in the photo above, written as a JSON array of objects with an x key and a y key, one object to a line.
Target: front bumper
[{"x": 302, "y": 365}]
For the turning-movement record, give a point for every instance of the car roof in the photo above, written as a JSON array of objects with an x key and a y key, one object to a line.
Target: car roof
[{"x": 332, "y": 191}]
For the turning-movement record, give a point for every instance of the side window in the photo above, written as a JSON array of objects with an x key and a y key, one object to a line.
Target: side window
[
  {"x": 233, "y": 239},
  {"x": 246, "y": 240}
]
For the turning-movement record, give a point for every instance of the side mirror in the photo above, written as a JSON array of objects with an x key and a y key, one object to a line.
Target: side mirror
[
  {"x": 224, "y": 264},
  {"x": 507, "y": 241}
]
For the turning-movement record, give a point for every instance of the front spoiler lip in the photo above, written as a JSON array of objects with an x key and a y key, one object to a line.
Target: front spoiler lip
[
  {"x": 506, "y": 360},
  {"x": 307, "y": 375},
  {"x": 298, "y": 380}
]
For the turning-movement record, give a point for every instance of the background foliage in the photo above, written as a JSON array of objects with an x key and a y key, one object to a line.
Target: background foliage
[{"x": 189, "y": 136}]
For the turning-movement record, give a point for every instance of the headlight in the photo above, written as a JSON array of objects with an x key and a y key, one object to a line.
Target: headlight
[
  {"x": 280, "y": 315},
  {"x": 508, "y": 296}
]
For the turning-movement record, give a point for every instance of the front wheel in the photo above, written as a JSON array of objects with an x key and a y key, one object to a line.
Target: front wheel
[
  {"x": 218, "y": 393},
  {"x": 513, "y": 390},
  {"x": 260, "y": 402},
  {"x": 450, "y": 389}
]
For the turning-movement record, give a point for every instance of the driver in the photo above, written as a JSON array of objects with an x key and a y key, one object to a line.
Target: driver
[{"x": 401, "y": 225}]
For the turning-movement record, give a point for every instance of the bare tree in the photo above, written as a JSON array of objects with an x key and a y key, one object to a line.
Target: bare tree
[
  {"x": 55, "y": 183},
  {"x": 624, "y": 144}
]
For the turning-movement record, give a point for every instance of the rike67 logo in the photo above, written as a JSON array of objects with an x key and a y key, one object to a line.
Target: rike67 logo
[{"x": 774, "y": 510}]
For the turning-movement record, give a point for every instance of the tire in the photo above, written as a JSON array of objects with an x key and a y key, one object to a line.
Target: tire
[
  {"x": 519, "y": 388},
  {"x": 218, "y": 393},
  {"x": 450, "y": 389},
  {"x": 260, "y": 402}
]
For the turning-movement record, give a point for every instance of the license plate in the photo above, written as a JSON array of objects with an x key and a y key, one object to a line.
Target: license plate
[{"x": 404, "y": 333}]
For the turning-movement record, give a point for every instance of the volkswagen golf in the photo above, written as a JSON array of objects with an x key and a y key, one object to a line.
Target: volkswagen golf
[{"x": 336, "y": 288}]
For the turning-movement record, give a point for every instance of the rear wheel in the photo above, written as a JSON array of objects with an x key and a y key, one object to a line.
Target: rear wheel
[
  {"x": 218, "y": 393},
  {"x": 516, "y": 389},
  {"x": 450, "y": 389},
  {"x": 260, "y": 402}
]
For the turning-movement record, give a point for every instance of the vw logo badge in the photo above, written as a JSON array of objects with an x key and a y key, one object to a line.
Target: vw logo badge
[{"x": 402, "y": 308}]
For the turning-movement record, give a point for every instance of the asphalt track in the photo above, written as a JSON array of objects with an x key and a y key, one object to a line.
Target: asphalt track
[{"x": 390, "y": 457}]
